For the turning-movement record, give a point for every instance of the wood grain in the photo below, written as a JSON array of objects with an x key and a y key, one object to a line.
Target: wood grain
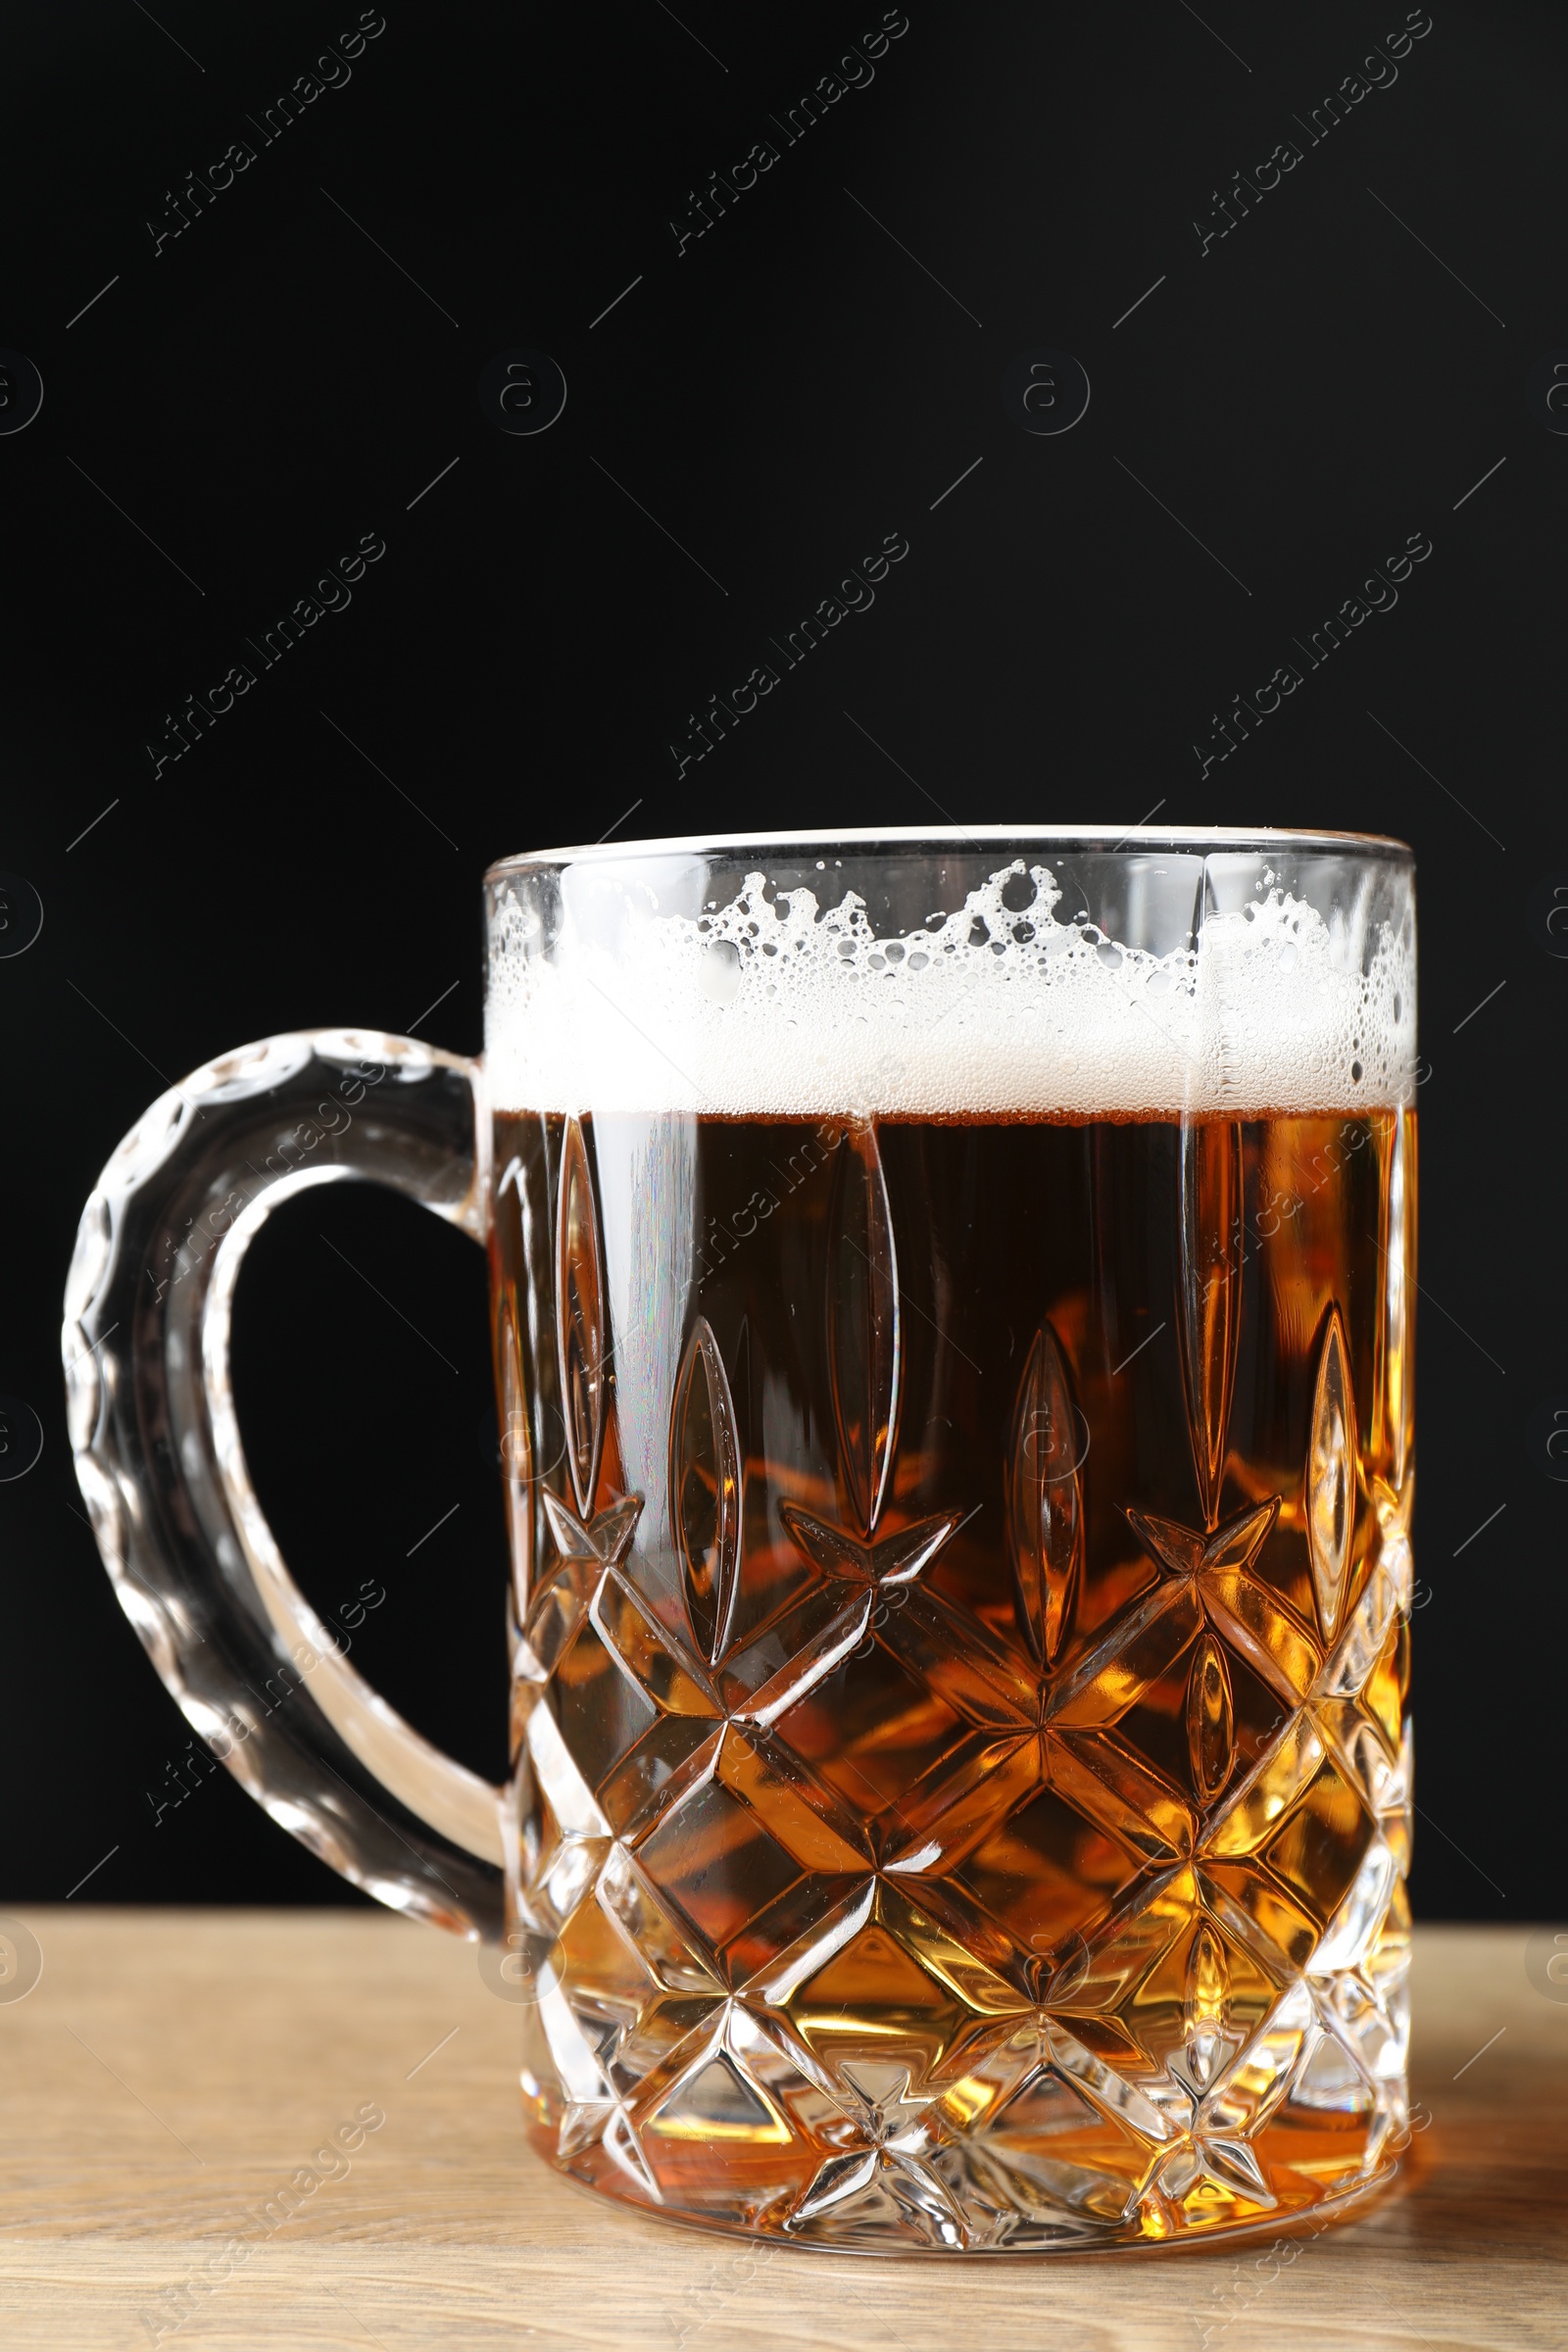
[{"x": 172, "y": 2068}]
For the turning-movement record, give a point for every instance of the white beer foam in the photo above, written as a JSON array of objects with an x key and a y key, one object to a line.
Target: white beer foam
[{"x": 777, "y": 1006}]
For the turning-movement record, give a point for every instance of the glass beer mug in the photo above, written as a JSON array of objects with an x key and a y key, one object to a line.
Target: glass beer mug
[{"x": 951, "y": 1302}]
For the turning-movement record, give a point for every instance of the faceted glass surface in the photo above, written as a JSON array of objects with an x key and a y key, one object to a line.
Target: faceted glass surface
[{"x": 961, "y": 1761}]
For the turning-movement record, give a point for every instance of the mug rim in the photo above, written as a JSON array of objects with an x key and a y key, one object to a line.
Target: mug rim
[{"x": 1091, "y": 840}]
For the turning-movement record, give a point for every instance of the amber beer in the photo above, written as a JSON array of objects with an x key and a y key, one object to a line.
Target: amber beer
[{"x": 960, "y": 1590}]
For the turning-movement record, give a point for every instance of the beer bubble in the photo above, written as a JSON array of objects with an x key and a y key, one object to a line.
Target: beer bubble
[{"x": 720, "y": 975}]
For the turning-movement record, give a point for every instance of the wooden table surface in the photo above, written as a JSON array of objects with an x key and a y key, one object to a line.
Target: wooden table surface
[{"x": 172, "y": 2068}]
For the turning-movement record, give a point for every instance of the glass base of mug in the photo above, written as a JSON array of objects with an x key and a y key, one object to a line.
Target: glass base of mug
[{"x": 960, "y": 2203}]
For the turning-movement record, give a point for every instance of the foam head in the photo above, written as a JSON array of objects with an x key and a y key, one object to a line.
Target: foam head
[{"x": 1143, "y": 984}]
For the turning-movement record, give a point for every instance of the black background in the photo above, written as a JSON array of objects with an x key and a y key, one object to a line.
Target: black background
[{"x": 233, "y": 413}]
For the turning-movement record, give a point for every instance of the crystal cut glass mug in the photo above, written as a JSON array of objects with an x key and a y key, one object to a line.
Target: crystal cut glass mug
[{"x": 952, "y": 1307}]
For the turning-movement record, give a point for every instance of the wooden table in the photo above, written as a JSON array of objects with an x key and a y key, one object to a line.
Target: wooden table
[{"x": 172, "y": 2068}]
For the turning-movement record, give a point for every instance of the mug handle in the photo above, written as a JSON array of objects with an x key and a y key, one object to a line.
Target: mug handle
[{"x": 162, "y": 1472}]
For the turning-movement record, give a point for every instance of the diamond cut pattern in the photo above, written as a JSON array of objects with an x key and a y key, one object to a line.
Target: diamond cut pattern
[{"x": 913, "y": 1934}]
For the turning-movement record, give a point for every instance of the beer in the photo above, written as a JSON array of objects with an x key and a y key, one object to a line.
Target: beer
[{"x": 961, "y": 1577}]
